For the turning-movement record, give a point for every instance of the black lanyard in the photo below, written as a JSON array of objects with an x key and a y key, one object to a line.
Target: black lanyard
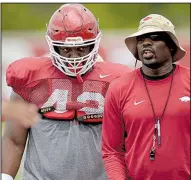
[{"x": 157, "y": 129}]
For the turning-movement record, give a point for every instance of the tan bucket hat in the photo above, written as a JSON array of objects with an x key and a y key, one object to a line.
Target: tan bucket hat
[{"x": 155, "y": 23}]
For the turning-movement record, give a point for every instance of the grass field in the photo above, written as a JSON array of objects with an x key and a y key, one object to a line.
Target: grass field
[{"x": 18, "y": 177}]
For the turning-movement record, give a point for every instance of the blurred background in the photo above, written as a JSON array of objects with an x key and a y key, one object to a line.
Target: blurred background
[{"x": 24, "y": 25}]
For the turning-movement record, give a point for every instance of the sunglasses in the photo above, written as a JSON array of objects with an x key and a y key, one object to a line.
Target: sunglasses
[{"x": 153, "y": 37}]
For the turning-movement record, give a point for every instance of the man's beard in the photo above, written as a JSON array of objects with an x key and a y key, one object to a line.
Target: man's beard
[
  {"x": 158, "y": 64},
  {"x": 153, "y": 66}
]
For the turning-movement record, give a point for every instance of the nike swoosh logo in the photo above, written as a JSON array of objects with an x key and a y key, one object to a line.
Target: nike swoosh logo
[
  {"x": 103, "y": 76},
  {"x": 136, "y": 103}
]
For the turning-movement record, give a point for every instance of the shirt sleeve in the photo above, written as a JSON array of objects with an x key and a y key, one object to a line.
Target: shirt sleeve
[
  {"x": 113, "y": 138},
  {"x": 10, "y": 76}
]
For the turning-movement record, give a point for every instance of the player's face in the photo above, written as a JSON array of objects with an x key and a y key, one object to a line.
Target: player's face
[
  {"x": 74, "y": 52},
  {"x": 152, "y": 49}
]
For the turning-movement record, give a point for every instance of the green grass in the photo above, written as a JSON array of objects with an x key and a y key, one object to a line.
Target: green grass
[{"x": 18, "y": 177}]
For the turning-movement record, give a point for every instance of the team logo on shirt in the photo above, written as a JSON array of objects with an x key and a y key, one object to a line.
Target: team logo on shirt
[{"x": 185, "y": 98}]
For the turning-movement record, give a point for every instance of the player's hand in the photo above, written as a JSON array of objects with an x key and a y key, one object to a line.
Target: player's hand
[{"x": 20, "y": 111}]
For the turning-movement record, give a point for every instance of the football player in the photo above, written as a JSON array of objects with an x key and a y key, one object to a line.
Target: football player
[{"x": 69, "y": 89}]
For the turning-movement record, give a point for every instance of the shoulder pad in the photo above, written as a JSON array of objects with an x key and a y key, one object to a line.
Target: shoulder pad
[{"x": 26, "y": 70}]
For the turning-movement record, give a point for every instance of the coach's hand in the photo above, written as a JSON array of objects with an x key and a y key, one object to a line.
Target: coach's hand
[{"x": 20, "y": 111}]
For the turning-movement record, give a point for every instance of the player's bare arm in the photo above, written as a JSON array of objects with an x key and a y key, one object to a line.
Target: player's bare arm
[
  {"x": 13, "y": 144},
  {"x": 20, "y": 111}
]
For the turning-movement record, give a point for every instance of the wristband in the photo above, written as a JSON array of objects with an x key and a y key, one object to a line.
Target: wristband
[{"x": 6, "y": 177}]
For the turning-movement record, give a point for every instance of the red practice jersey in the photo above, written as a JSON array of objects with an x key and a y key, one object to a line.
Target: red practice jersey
[
  {"x": 61, "y": 97},
  {"x": 128, "y": 128}
]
